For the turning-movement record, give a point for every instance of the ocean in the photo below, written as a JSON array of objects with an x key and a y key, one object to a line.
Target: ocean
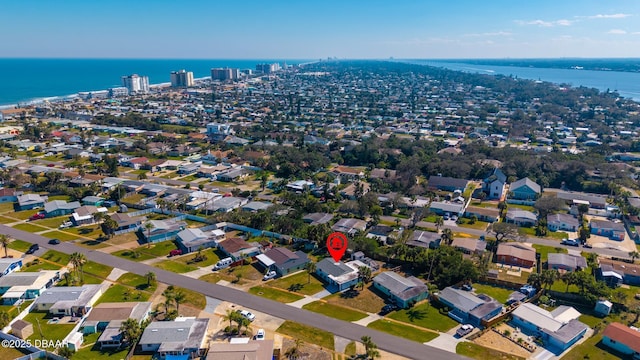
[
  {"x": 627, "y": 84},
  {"x": 26, "y": 80}
]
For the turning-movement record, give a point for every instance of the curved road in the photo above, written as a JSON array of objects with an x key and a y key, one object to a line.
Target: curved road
[{"x": 340, "y": 328}]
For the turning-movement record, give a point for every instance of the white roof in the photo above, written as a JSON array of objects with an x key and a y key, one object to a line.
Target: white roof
[
  {"x": 565, "y": 314},
  {"x": 538, "y": 317},
  {"x": 265, "y": 260}
]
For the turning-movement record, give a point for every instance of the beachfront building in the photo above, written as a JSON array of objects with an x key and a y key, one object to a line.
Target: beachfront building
[
  {"x": 224, "y": 74},
  {"x": 136, "y": 83},
  {"x": 182, "y": 78}
]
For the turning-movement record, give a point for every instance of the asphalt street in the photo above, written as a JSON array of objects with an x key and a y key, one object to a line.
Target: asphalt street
[{"x": 343, "y": 329}]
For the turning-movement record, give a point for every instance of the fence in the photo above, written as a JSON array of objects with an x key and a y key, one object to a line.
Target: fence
[
  {"x": 41, "y": 354},
  {"x": 24, "y": 345},
  {"x": 141, "y": 212}
]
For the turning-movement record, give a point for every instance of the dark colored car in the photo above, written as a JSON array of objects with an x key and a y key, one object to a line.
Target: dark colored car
[
  {"x": 54, "y": 241},
  {"x": 388, "y": 308},
  {"x": 33, "y": 248}
]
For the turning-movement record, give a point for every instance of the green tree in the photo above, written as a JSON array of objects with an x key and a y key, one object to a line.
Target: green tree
[
  {"x": 78, "y": 260},
  {"x": 447, "y": 236},
  {"x": 311, "y": 268},
  {"x": 5, "y": 318},
  {"x": 364, "y": 274},
  {"x": 439, "y": 222},
  {"x": 633, "y": 254},
  {"x": 151, "y": 278},
  {"x": 371, "y": 349},
  {"x": 131, "y": 331},
  {"x": 293, "y": 353},
  {"x": 5, "y": 240},
  {"x": 179, "y": 297}
]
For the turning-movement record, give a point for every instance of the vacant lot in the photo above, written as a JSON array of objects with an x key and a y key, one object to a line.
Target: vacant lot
[
  {"x": 426, "y": 316},
  {"x": 404, "y": 331},
  {"x": 335, "y": 311},
  {"x": 365, "y": 300},
  {"x": 274, "y": 294},
  {"x": 307, "y": 334},
  {"x": 476, "y": 351},
  {"x": 301, "y": 283}
]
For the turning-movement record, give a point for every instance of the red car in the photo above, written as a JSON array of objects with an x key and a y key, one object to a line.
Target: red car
[
  {"x": 175, "y": 252},
  {"x": 37, "y": 216}
]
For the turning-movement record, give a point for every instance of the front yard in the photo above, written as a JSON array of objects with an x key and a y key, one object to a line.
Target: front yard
[
  {"x": 425, "y": 315},
  {"x": 403, "y": 331},
  {"x": 335, "y": 311},
  {"x": 300, "y": 283},
  {"x": 274, "y": 294},
  {"x": 365, "y": 300},
  {"x": 307, "y": 334}
]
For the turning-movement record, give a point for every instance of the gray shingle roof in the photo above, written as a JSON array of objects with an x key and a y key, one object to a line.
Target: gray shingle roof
[{"x": 401, "y": 287}]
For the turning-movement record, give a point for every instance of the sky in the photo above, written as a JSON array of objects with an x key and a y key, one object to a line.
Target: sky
[{"x": 303, "y": 29}]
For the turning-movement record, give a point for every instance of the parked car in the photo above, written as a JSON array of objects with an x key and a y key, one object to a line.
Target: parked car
[
  {"x": 222, "y": 264},
  {"x": 33, "y": 248},
  {"x": 247, "y": 315},
  {"x": 66, "y": 224},
  {"x": 446, "y": 216},
  {"x": 467, "y": 287},
  {"x": 260, "y": 334},
  {"x": 464, "y": 330},
  {"x": 269, "y": 275},
  {"x": 175, "y": 252},
  {"x": 37, "y": 216},
  {"x": 587, "y": 245},
  {"x": 388, "y": 308},
  {"x": 54, "y": 242},
  {"x": 570, "y": 242}
]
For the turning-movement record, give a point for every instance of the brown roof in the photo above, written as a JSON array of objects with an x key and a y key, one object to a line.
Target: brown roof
[
  {"x": 20, "y": 324},
  {"x": 623, "y": 267},
  {"x": 347, "y": 170},
  {"x": 7, "y": 192},
  {"x": 235, "y": 244},
  {"x": 517, "y": 250},
  {"x": 281, "y": 255},
  {"x": 483, "y": 211},
  {"x": 113, "y": 311},
  {"x": 623, "y": 334}
]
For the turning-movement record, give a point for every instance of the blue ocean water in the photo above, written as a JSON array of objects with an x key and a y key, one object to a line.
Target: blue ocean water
[
  {"x": 24, "y": 80},
  {"x": 627, "y": 84}
]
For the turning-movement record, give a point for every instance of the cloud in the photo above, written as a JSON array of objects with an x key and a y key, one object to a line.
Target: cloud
[
  {"x": 616, "y": 32},
  {"x": 544, "y": 23},
  {"x": 608, "y": 16},
  {"x": 496, "y": 33}
]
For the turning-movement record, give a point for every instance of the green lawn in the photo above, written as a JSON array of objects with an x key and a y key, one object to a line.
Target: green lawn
[
  {"x": 138, "y": 282},
  {"x": 54, "y": 222},
  {"x": 49, "y": 331},
  {"x": 367, "y": 299},
  {"x": 11, "y": 353},
  {"x": 97, "y": 269},
  {"x": 212, "y": 259},
  {"x": 134, "y": 255},
  {"x": 350, "y": 349},
  {"x": 19, "y": 245},
  {"x": 544, "y": 251},
  {"x": 476, "y": 351},
  {"x": 22, "y": 215},
  {"x": 426, "y": 316},
  {"x": 29, "y": 227},
  {"x": 274, "y": 294},
  {"x": 40, "y": 265},
  {"x": 307, "y": 334},
  {"x": 94, "y": 353},
  {"x": 193, "y": 299},
  {"x": 158, "y": 249},
  {"x": 60, "y": 197},
  {"x": 479, "y": 225},
  {"x": 174, "y": 266},
  {"x": 591, "y": 349},
  {"x": 6, "y": 207},
  {"x": 498, "y": 293},
  {"x": 403, "y": 331},
  {"x": 299, "y": 283},
  {"x": 335, "y": 311},
  {"x": 556, "y": 235},
  {"x": 590, "y": 320},
  {"x": 6, "y": 220},
  {"x": 56, "y": 257},
  {"x": 93, "y": 231},
  {"x": 134, "y": 199},
  {"x": 62, "y": 236},
  {"x": 121, "y": 293}
]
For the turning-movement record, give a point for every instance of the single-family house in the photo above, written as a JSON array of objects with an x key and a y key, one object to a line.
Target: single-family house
[
  {"x": 236, "y": 248},
  {"x": 355, "y": 190},
  {"x": 183, "y": 336},
  {"x": 380, "y": 233},
  {"x": 443, "y": 207},
  {"x": 92, "y": 200},
  {"x": 402, "y": 291},
  {"x": 562, "y": 222},
  {"x": 566, "y": 262},
  {"x": 126, "y": 222},
  {"x": 317, "y": 218},
  {"x": 425, "y": 239},
  {"x": 516, "y": 254},
  {"x": 227, "y": 204},
  {"x": 524, "y": 189},
  {"x": 575, "y": 198},
  {"x": 494, "y": 184},
  {"x": 25, "y": 285},
  {"x": 192, "y": 239},
  {"x": 60, "y": 207},
  {"x": 622, "y": 339},
  {"x": 300, "y": 185},
  {"x": 107, "y": 318},
  {"x": 84, "y": 215},
  {"x": 446, "y": 183},
  {"x": 520, "y": 217},
  {"x": 9, "y": 265},
  {"x": 31, "y": 201},
  {"x": 349, "y": 226},
  {"x": 348, "y": 173},
  {"x": 68, "y": 300},
  {"x": 161, "y": 230},
  {"x": 255, "y": 206},
  {"x": 558, "y": 329},
  {"x": 470, "y": 246},
  {"x": 8, "y": 195},
  {"x": 483, "y": 214},
  {"x": 338, "y": 275},
  {"x": 614, "y": 273},
  {"x": 233, "y": 174},
  {"x": 189, "y": 168},
  {"x": 283, "y": 260},
  {"x": 469, "y": 308},
  {"x": 241, "y": 349},
  {"x": 610, "y": 229}
]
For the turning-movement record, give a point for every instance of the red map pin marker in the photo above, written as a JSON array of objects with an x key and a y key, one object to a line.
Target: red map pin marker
[{"x": 337, "y": 245}]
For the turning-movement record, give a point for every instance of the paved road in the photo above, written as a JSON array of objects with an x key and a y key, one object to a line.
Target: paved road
[
  {"x": 534, "y": 240},
  {"x": 340, "y": 328}
]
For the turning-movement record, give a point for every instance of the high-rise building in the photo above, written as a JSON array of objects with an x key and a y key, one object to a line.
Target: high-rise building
[
  {"x": 224, "y": 74},
  {"x": 267, "y": 68},
  {"x": 181, "y": 78},
  {"x": 136, "y": 83}
]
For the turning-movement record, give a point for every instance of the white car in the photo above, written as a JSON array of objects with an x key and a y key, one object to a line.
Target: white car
[
  {"x": 247, "y": 315},
  {"x": 269, "y": 275},
  {"x": 260, "y": 334},
  {"x": 66, "y": 224}
]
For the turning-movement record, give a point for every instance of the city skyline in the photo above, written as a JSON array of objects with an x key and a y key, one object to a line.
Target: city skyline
[{"x": 286, "y": 29}]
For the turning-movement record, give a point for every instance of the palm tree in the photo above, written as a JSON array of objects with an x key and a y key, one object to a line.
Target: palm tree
[
  {"x": 447, "y": 236},
  {"x": 179, "y": 297},
  {"x": 148, "y": 226},
  {"x": 78, "y": 260},
  {"x": 633, "y": 254},
  {"x": 371, "y": 348},
  {"x": 231, "y": 315},
  {"x": 5, "y": 240},
  {"x": 311, "y": 268},
  {"x": 4, "y": 319},
  {"x": 364, "y": 274},
  {"x": 439, "y": 222},
  {"x": 131, "y": 331},
  {"x": 151, "y": 278},
  {"x": 569, "y": 278},
  {"x": 293, "y": 352},
  {"x": 548, "y": 277}
]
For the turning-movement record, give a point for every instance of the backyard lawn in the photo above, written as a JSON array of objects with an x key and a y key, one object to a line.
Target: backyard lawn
[
  {"x": 274, "y": 294},
  {"x": 403, "y": 331},
  {"x": 299, "y": 283},
  {"x": 591, "y": 349},
  {"x": 49, "y": 331},
  {"x": 335, "y": 311},
  {"x": 498, "y": 293},
  {"x": 476, "y": 351},
  {"x": 307, "y": 334},
  {"x": 426, "y": 316},
  {"x": 544, "y": 251},
  {"x": 93, "y": 353},
  {"x": 365, "y": 300}
]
